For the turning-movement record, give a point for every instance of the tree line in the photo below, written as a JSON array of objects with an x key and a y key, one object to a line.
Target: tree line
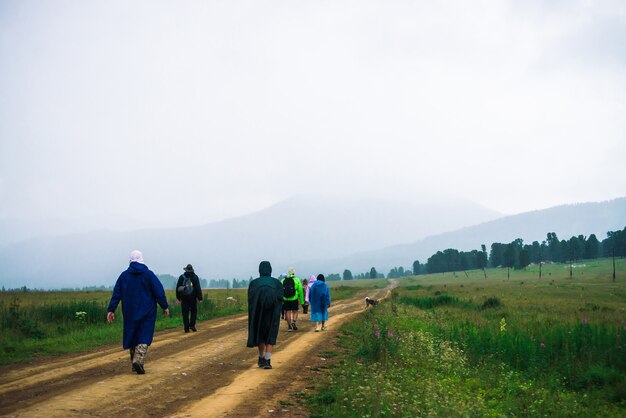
[{"x": 518, "y": 255}]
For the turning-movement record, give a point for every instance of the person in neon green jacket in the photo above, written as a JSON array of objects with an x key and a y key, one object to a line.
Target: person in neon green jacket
[{"x": 293, "y": 297}]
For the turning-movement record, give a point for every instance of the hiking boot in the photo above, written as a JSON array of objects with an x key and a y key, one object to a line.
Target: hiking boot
[
  {"x": 317, "y": 329},
  {"x": 193, "y": 329},
  {"x": 261, "y": 361},
  {"x": 138, "y": 368},
  {"x": 289, "y": 329},
  {"x": 293, "y": 326},
  {"x": 267, "y": 365},
  {"x": 323, "y": 327}
]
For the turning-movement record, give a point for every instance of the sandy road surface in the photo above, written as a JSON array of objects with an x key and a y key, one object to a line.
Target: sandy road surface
[{"x": 208, "y": 373}]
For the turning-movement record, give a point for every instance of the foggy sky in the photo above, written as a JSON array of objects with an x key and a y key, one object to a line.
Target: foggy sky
[{"x": 164, "y": 113}]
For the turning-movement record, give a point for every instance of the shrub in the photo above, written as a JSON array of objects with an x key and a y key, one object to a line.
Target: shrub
[
  {"x": 491, "y": 302},
  {"x": 429, "y": 303}
]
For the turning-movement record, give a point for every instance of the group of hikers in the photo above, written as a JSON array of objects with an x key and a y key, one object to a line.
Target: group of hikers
[{"x": 269, "y": 301}]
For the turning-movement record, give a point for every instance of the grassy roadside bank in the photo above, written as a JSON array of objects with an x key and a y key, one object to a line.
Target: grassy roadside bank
[
  {"x": 36, "y": 324},
  {"x": 449, "y": 346}
]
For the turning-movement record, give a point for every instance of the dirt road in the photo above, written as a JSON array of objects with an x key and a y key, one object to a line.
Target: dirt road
[{"x": 202, "y": 374}]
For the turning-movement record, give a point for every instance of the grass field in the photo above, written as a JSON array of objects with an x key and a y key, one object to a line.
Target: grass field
[
  {"x": 462, "y": 345},
  {"x": 35, "y": 324}
]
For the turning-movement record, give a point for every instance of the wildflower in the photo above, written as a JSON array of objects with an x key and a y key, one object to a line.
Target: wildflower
[
  {"x": 542, "y": 345},
  {"x": 584, "y": 321},
  {"x": 389, "y": 333},
  {"x": 81, "y": 315},
  {"x": 503, "y": 325},
  {"x": 377, "y": 333}
]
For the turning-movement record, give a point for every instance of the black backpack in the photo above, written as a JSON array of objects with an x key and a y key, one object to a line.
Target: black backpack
[
  {"x": 289, "y": 286},
  {"x": 187, "y": 288}
]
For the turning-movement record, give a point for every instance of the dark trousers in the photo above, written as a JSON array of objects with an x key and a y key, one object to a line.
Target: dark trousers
[{"x": 189, "y": 306}]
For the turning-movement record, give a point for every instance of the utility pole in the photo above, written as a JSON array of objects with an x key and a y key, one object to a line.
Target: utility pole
[
  {"x": 570, "y": 266},
  {"x": 540, "y": 264}
]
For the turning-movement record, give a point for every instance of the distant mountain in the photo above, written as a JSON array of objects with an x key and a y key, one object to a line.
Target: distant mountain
[
  {"x": 566, "y": 221},
  {"x": 295, "y": 229},
  {"x": 16, "y": 230}
]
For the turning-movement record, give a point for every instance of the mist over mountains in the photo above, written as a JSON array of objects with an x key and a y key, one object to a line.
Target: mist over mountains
[
  {"x": 566, "y": 221},
  {"x": 313, "y": 235},
  {"x": 295, "y": 229}
]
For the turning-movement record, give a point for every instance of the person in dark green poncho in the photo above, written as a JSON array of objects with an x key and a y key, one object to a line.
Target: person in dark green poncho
[{"x": 265, "y": 298}]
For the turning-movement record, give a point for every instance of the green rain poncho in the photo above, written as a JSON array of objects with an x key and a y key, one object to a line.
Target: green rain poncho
[{"x": 265, "y": 298}]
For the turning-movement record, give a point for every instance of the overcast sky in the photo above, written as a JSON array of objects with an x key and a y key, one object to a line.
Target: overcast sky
[{"x": 181, "y": 112}]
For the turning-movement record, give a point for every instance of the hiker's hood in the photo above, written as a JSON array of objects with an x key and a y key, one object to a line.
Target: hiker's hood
[
  {"x": 265, "y": 269},
  {"x": 137, "y": 268}
]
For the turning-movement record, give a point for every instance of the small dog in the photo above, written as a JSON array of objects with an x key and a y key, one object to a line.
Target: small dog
[{"x": 370, "y": 302}]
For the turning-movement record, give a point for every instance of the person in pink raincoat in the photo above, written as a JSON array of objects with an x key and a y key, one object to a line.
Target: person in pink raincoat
[{"x": 312, "y": 280}]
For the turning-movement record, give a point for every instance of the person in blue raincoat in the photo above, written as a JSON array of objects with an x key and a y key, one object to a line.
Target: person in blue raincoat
[
  {"x": 140, "y": 291},
  {"x": 319, "y": 299}
]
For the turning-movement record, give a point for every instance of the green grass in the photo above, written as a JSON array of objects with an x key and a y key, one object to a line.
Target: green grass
[
  {"x": 457, "y": 345},
  {"x": 35, "y": 324}
]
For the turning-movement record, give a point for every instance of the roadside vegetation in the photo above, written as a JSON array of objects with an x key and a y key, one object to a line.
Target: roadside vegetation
[
  {"x": 461, "y": 345},
  {"x": 35, "y": 324}
]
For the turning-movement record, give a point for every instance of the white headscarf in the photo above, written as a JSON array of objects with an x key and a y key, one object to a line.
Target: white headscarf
[{"x": 136, "y": 256}]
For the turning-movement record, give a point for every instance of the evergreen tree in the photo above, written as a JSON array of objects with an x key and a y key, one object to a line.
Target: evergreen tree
[
  {"x": 535, "y": 252},
  {"x": 347, "y": 274},
  {"x": 554, "y": 247},
  {"x": 524, "y": 257},
  {"x": 574, "y": 248},
  {"x": 373, "y": 273},
  {"x": 496, "y": 256},
  {"x": 509, "y": 255},
  {"x": 481, "y": 259},
  {"x": 416, "y": 267},
  {"x": 592, "y": 247}
]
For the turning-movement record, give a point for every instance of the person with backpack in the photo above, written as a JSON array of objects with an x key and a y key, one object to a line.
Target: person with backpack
[
  {"x": 305, "y": 305},
  {"x": 140, "y": 291},
  {"x": 189, "y": 293},
  {"x": 292, "y": 299},
  {"x": 265, "y": 296},
  {"x": 319, "y": 298}
]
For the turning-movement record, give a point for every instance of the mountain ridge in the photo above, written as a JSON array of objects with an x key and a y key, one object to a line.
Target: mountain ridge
[
  {"x": 293, "y": 229},
  {"x": 565, "y": 220}
]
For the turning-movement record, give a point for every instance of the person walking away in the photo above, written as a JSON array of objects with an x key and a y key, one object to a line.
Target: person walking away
[
  {"x": 140, "y": 291},
  {"x": 282, "y": 310},
  {"x": 319, "y": 298},
  {"x": 292, "y": 299},
  {"x": 189, "y": 293},
  {"x": 265, "y": 300},
  {"x": 312, "y": 280},
  {"x": 305, "y": 305}
]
